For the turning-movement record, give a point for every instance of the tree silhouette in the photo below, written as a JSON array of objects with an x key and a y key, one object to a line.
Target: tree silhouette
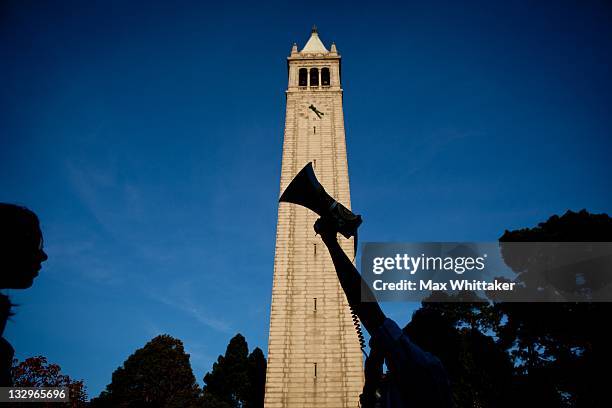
[
  {"x": 560, "y": 349},
  {"x": 257, "y": 376},
  {"x": 480, "y": 371},
  {"x": 157, "y": 375},
  {"x": 237, "y": 379},
  {"x": 524, "y": 354},
  {"x": 38, "y": 372}
]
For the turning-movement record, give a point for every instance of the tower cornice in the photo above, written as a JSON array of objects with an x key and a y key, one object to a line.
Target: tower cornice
[{"x": 314, "y": 57}]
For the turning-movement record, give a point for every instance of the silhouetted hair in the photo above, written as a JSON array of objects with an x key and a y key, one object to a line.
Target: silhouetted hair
[
  {"x": 21, "y": 251},
  {"x": 13, "y": 219}
]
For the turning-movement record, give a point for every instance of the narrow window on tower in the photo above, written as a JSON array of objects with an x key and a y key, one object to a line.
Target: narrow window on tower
[
  {"x": 314, "y": 129},
  {"x": 314, "y": 304},
  {"x": 314, "y": 164},
  {"x": 315, "y": 370},
  {"x": 314, "y": 76},
  {"x": 303, "y": 77},
  {"x": 325, "y": 76},
  {"x": 315, "y": 248}
]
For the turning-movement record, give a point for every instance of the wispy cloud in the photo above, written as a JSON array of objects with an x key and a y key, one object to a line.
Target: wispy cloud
[
  {"x": 185, "y": 303},
  {"x": 152, "y": 328},
  {"x": 110, "y": 199}
]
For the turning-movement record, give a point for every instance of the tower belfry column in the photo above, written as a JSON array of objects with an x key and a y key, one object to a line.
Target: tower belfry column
[{"x": 314, "y": 357}]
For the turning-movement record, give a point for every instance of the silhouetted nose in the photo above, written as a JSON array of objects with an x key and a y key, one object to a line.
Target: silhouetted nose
[{"x": 43, "y": 256}]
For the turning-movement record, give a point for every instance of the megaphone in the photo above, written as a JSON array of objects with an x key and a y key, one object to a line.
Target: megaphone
[{"x": 305, "y": 190}]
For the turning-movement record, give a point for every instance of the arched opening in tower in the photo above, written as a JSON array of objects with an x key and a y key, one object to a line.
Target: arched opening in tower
[
  {"x": 303, "y": 77},
  {"x": 314, "y": 76},
  {"x": 325, "y": 76}
]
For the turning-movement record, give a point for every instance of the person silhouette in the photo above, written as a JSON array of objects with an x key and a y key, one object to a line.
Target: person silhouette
[
  {"x": 21, "y": 257},
  {"x": 415, "y": 378}
]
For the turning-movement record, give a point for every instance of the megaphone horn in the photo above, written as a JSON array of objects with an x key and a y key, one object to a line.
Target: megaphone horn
[{"x": 305, "y": 190}]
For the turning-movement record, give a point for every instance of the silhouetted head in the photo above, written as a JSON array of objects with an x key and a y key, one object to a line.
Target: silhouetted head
[{"x": 21, "y": 247}]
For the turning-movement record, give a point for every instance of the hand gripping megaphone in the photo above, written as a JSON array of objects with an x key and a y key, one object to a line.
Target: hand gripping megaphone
[{"x": 305, "y": 190}]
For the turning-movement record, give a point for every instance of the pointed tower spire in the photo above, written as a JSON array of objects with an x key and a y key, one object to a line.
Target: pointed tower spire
[
  {"x": 314, "y": 44},
  {"x": 333, "y": 49}
]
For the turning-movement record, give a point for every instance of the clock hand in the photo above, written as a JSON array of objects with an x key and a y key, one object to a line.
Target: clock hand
[{"x": 316, "y": 111}]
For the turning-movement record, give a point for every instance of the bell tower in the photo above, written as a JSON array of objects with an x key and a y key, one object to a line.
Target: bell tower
[{"x": 314, "y": 355}]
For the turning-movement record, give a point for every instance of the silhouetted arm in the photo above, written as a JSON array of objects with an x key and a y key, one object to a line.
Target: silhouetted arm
[
  {"x": 354, "y": 286},
  {"x": 420, "y": 378}
]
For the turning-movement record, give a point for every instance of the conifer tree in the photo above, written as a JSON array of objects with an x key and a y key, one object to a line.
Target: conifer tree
[{"x": 237, "y": 379}]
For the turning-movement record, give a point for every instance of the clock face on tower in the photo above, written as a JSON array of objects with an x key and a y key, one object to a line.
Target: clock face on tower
[{"x": 316, "y": 111}]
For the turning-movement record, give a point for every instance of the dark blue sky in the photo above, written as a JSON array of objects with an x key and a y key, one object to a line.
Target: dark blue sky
[{"x": 148, "y": 138}]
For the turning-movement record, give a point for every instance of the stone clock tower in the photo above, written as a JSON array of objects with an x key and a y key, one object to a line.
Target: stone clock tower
[{"x": 314, "y": 357}]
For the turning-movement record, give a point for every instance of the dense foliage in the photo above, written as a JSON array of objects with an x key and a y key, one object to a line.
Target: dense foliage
[
  {"x": 237, "y": 378},
  {"x": 157, "y": 375},
  {"x": 525, "y": 354},
  {"x": 38, "y": 372},
  {"x": 160, "y": 375}
]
